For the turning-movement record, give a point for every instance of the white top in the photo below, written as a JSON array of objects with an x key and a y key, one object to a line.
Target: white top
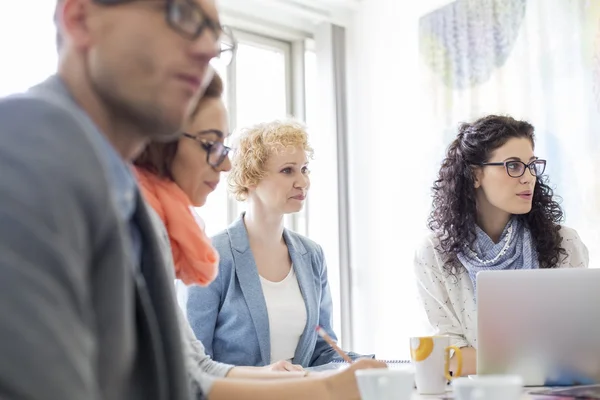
[
  {"x": 449, "y": 301},
  {"x": 287, "y": 315}
]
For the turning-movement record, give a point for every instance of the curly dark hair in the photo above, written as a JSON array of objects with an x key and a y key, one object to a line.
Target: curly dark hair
[{"x": 453, "y": 218}]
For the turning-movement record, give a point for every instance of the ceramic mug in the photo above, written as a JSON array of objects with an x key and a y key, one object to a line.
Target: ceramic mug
[{"x": 430, "y": 356}]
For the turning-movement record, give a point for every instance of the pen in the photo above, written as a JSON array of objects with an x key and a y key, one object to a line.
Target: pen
[{"x": 330, "y": 342}]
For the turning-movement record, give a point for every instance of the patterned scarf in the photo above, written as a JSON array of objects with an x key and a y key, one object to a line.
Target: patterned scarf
[{"x": 514, "y": 251}]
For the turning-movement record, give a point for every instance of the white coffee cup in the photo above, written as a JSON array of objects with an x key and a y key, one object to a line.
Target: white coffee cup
[
  {"x": 488, "y": 387},
  {"x": 430, "y": 356},
  {"x": 385, "y": 384}
]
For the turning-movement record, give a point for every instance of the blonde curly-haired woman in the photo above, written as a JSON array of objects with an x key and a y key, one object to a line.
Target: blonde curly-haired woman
[{"x": 272, "y": 289}]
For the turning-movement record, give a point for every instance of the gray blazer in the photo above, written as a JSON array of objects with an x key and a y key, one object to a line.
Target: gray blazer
[
  {"x": 201, "y": 369},
  {"x": 79, "y": 320},
  {"x": 230, "y": 315}
]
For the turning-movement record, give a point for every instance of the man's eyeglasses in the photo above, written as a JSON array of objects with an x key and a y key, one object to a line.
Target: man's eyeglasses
[
  {"x": 516, "y": 169},
  {"x": 216, "y": 152},
  {"x": 187, "y": 18}
]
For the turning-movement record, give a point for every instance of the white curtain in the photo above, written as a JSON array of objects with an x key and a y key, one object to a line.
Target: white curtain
[
  {"x": 537, "y": 60},
  {"x": 27, "y": 44}
]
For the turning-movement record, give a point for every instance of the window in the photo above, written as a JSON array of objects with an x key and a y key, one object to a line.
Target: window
[
  {"x": 321, "y": 214},
  {"x": 217, "y": 219},
  {"x": 258, "y": 88},
  {"x": 261, "y": 82}
]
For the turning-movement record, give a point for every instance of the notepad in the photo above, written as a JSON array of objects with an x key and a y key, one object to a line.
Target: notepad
[
  {"x": 340, "y": 364},
  {"x": 385, "y": 361},
  {"x": 390, "y": 363}
]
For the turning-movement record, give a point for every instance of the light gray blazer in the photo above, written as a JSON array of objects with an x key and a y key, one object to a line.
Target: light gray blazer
[
  {"x": 78, "y": 319},
  {"x": 230, "y": 315}
]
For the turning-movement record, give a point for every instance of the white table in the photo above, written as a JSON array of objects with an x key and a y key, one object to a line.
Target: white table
[{"x": 417, "y": 396}]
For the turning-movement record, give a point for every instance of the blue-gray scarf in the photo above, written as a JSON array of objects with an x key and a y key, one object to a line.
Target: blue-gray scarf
[{"x": 514, "y": 251}]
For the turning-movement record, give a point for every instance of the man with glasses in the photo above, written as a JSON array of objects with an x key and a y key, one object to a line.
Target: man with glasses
[{"x": 87, "y": 309}]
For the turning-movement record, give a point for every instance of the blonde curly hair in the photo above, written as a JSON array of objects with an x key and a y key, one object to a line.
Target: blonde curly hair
[{"x": 255, "y": 144}]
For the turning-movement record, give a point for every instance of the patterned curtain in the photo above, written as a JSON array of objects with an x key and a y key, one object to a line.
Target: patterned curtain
[{"x": 537, "y": 60}]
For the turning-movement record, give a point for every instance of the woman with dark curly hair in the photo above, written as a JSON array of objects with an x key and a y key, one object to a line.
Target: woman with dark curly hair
[{"x": 492, "y": 210}]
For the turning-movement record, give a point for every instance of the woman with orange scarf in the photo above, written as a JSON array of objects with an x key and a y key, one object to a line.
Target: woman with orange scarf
[{"x": 174, "y": 178}]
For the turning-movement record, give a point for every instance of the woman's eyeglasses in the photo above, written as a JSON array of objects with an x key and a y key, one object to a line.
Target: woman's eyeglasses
[
  {"x": 216, "y": 152},
  {"x": 516, "y": 169}
]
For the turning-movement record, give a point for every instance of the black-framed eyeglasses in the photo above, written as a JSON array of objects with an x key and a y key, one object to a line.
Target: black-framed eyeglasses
[
  {"x": 216, "y": 152},
  {"x": 516, "y": 169},
  {"x": 187, "y": 18}
]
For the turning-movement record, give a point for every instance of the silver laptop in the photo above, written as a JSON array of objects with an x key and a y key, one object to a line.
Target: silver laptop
[{"x": 541, "y": 324}]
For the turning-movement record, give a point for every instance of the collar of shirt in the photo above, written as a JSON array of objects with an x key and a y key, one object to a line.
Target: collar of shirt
[
  {"x": 123, "y": 181},
  {"x": 121, "y": 176}
]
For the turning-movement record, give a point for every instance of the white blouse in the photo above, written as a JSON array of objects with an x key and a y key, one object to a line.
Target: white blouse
[
  {"x": 287, "y": 315},
  {"x": 449, "y": 301}
]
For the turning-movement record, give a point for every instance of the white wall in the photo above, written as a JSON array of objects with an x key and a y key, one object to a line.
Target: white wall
[
  {"x": 286, "y": 19},
  {"x": 392, "y": 165},
  {"x": 27, "y": 44}
]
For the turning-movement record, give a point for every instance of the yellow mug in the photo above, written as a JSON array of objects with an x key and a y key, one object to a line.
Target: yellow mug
[{"x": 430, "y": 356}]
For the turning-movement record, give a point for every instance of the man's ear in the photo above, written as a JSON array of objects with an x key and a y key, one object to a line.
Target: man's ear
[{"x": 72, "y": 20}]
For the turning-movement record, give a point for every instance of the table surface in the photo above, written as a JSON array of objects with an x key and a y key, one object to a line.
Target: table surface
[{"x": 526, "y": 396}]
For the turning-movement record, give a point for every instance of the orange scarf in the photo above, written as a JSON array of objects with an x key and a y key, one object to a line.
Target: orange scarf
[{"x": 195, "y": 259}]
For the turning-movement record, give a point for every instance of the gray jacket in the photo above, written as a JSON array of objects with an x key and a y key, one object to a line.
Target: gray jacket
[
  {"x": 77, "y": 319},
  {"x": 201, "y": 368}
]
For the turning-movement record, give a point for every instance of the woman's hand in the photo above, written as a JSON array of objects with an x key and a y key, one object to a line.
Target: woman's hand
[
  {"x": 283, "y": 365},
  {"x": 469, "y": 362}
]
